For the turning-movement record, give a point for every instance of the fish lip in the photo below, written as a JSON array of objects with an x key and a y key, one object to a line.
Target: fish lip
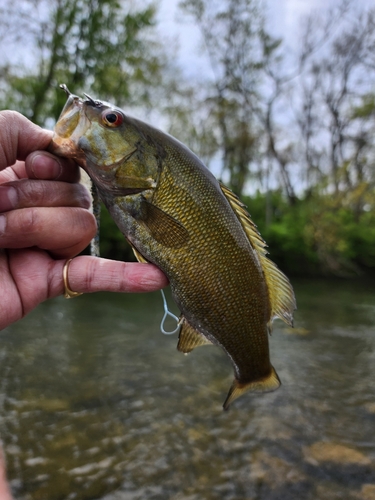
[
  {"x": 67, "y": 147},
  {"x": 88, "y": 101}
]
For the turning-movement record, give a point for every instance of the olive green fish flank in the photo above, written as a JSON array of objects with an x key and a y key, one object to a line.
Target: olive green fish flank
[{"x": 281, "y": 294}]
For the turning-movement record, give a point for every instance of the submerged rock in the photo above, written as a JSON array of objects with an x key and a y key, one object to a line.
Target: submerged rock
[
  {"x": 370, "y": 407},
  {"x": 367, "y": 492},
  {"x": 334, "y": 453}
]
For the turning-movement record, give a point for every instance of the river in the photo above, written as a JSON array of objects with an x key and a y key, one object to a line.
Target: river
[{"x": 96, "y": 403}]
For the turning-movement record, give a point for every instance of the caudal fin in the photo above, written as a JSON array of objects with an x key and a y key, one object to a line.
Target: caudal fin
[{"x": 267, "y": 384}]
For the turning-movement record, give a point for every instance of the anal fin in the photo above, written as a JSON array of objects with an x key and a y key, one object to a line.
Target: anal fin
[{"x": 189, "y": 338}]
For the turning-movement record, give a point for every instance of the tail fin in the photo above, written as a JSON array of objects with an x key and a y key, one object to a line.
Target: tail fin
[{"x": 267, "y": 384}]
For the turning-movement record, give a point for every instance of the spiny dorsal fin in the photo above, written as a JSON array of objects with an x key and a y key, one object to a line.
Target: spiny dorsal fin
[
  {"x": 280, "y": 290},
  {"x": 189, "y": 338}
]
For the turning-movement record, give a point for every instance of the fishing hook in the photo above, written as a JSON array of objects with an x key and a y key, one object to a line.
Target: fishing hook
[{"x": 65, "y": 89}]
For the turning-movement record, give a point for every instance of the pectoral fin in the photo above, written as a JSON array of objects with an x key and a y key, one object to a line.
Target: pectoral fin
[
  {"x": 164, "y": 229},
  {"x": 189, "y": 338}
]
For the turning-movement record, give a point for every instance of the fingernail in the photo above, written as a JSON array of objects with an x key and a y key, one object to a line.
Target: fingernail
[
  {"x": 2, "y": 224},
  {"x": 45, "y": 167},
  {"x": 8, "y": 198}
]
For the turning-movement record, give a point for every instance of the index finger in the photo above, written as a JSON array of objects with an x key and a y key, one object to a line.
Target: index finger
[{"x": 89, "y": 274}]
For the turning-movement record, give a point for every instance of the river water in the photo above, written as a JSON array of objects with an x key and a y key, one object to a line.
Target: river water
[{"x": 95, "y": 403}]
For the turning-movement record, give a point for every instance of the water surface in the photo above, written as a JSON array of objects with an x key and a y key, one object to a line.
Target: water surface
[{"x": 95, "y": 403}]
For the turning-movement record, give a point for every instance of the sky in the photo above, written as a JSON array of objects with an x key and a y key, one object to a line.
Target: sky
[
  {"x": 283, "y": 16},
  {"x": 284, "y": 20}
]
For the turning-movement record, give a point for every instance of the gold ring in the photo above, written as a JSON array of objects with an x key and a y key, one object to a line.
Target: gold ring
[{"x": 68, "y": 292}]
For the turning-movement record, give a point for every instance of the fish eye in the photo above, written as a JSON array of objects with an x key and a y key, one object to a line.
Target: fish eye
[{"x": 112, "y": 118}]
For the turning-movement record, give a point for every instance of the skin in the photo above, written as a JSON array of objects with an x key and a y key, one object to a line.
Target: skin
[{"x": 44, "y": 220}]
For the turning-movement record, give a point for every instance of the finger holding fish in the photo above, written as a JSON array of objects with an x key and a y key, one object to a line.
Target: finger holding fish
[
  {"x": 43, "y": 165},
  {"x": 34, "y": 269},
  {"x": 27, "y": 193},
  {"x": 23, "y": 152},
  {"x": 92, "y": 274},
  {"x": 44, "y": 221},
  {"x": 36, "y": 226}
]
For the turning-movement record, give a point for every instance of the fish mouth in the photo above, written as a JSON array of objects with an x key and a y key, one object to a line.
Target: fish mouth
[
  {"x": 73, "y": 122},
  {"x": 72, "y": 98},
  {"x": 69, "y": 141}
]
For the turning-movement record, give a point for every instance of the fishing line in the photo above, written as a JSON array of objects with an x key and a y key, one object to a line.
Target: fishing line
[
  {"x": 168, "y": 313},
  {"x": 95, "y": 242}
]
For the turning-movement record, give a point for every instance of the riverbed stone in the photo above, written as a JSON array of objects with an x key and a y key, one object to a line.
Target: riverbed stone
[
  {"x": 274, "y": 471},
  {"x": 334, "y": 453},
  {"x": 367, "y": 492},
  {"x": 370, "y": 407}
]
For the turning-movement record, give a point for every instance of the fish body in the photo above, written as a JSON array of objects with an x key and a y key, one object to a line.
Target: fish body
[{"x": 177, "y": 215}]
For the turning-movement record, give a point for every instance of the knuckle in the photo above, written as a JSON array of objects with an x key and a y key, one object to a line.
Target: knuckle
[
  {"x": 86, "y": 199},
  {"x": 32, "y": 192},
  {"x": 30, "y": 221},
  {"x": 82, "y": 227},
  {"x": 89, "y": 277},
  {"x": 83, "y": 196}
]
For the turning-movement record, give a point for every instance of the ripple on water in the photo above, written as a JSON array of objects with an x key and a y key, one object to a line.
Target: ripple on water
[{"x": 102, "y": 406}]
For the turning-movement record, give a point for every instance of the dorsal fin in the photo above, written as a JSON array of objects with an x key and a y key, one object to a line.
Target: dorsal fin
[{"x": 280, "y": 291}]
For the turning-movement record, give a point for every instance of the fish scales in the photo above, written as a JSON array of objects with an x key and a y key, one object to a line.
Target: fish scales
[
  {"x": 178, "y": 216},
  {"x": 233, "y": 276}
]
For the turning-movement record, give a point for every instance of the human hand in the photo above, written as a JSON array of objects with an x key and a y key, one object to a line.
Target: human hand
[{"x": 44, "y": 220}]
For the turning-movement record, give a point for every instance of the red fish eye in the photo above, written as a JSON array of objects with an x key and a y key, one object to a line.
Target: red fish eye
[{"x": 112, "y": 118}]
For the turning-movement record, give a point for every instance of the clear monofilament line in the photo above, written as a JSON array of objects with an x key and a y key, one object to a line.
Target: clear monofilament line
[{"x": 168, "y": 313}]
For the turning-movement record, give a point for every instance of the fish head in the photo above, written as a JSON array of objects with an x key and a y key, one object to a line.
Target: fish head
[{"x": 104, "y": 142}]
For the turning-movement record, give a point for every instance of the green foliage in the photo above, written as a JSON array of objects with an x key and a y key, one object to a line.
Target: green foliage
[
  {"x": 319, "y": 234},
  {"x": 113, "y": 245},
  {"x": 98, "y": 46},
  {"x": 237, "y": 48},
  {"x": 366, "y": 109},
  {"x": 108, "y": 48}
]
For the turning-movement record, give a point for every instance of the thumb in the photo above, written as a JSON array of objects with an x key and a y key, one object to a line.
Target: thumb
[{"x": 19, "y": 137}]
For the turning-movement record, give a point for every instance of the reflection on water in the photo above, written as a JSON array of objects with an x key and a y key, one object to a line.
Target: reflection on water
[{"x": 97, "y": 404}]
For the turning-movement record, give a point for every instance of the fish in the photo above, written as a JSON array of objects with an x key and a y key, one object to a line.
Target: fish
[{"x": 178, "y": 216}]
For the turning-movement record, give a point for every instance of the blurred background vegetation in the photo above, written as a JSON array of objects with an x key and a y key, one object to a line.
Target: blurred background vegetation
[{"x": 291, "y": 133}]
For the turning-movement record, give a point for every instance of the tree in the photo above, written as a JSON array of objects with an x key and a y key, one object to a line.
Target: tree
[
  {"x": 99, "y": 46},
  {"x": 232, "y": 32},
  {"x": 335, "y": 111}
]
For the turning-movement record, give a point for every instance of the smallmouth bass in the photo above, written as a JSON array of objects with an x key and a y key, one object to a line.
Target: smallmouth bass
[{"x": 177, "y": 215}]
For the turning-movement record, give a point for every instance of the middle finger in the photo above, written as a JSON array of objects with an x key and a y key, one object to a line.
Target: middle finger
[
  {"x": 28, "y": 193},
  {"x": 64, "y": 231}
]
